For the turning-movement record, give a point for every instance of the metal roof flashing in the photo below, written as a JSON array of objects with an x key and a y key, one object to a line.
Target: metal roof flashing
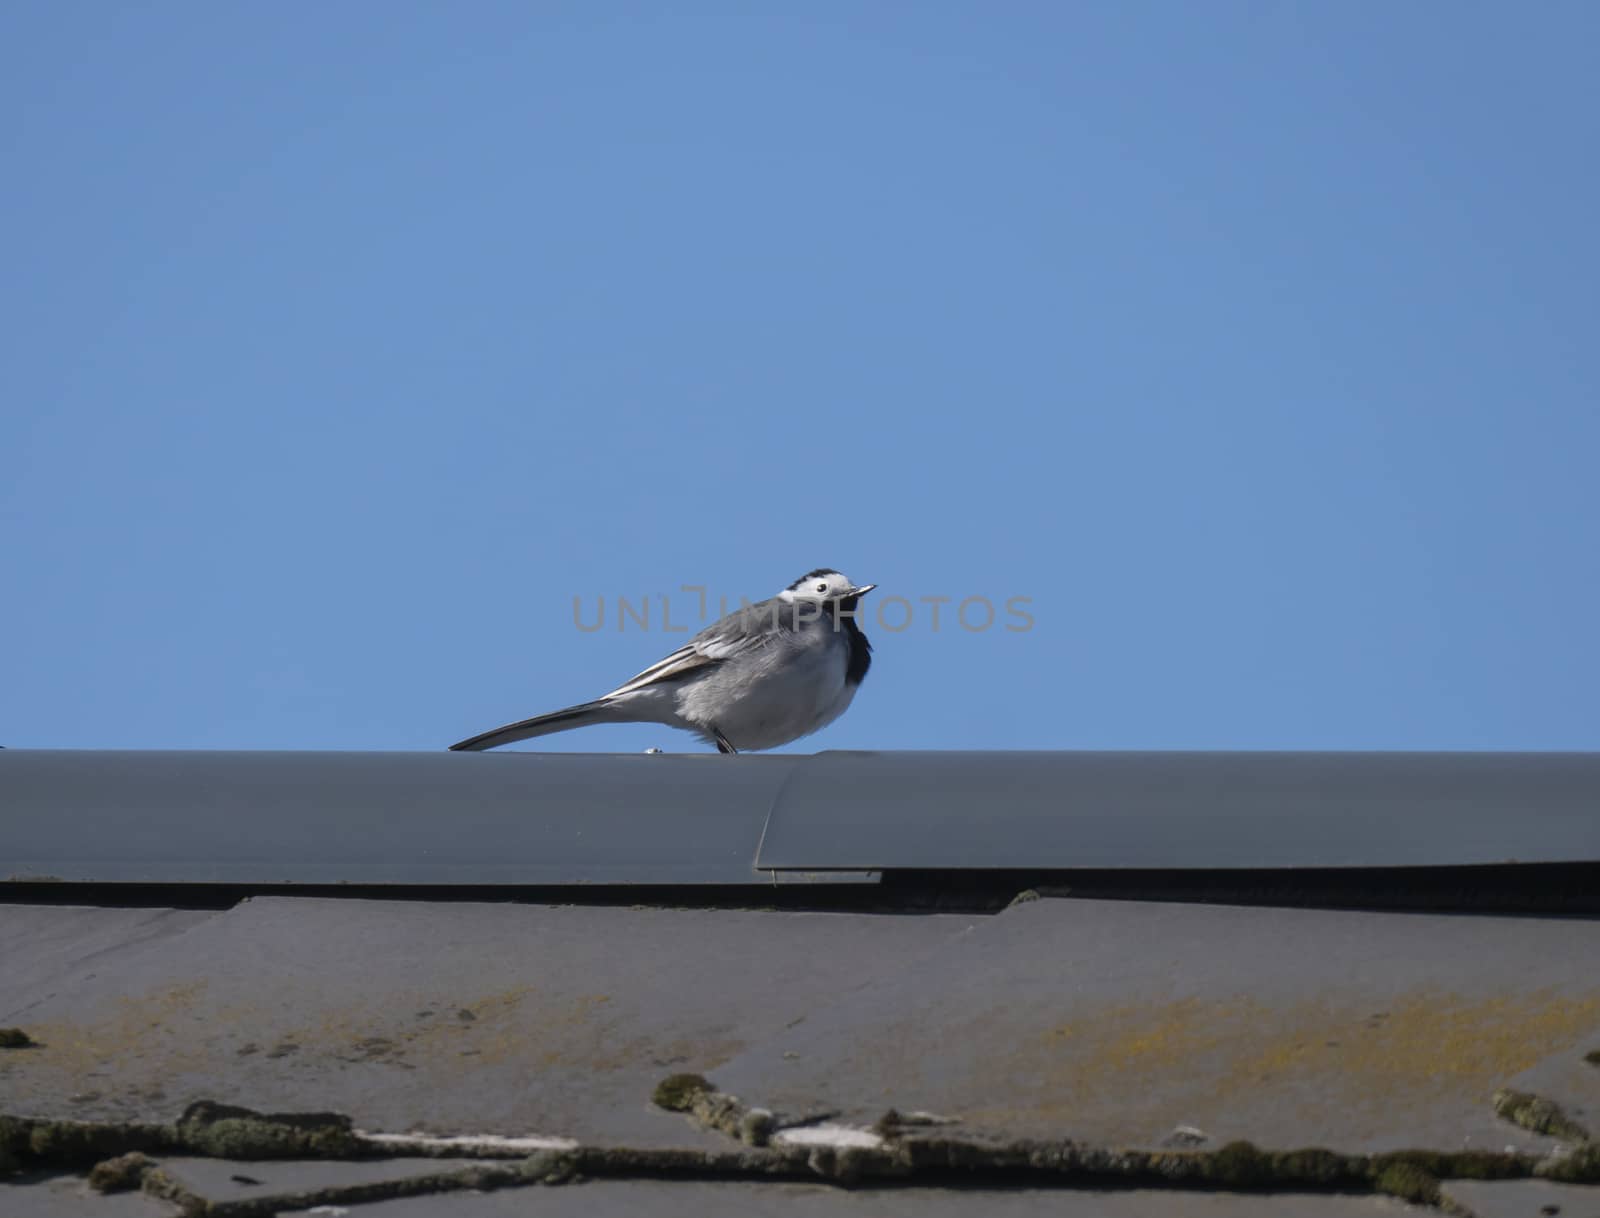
[
  {"x": 702, "y": 819},
  {"x": 1184, "y": 810},
  {"x": 383, "y": 818}
]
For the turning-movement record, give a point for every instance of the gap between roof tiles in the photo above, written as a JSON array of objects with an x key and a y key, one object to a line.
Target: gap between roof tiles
[{"x": 899, "y": 1150}]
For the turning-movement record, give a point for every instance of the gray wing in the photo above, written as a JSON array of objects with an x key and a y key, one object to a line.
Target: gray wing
[{"x": 745, "y": 629}]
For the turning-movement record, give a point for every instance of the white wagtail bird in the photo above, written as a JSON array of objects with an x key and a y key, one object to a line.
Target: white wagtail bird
[{"x": 762, "y": 676}]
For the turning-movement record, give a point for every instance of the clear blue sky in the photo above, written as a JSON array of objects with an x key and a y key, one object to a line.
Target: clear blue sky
[{"x": 342, "y": 345}]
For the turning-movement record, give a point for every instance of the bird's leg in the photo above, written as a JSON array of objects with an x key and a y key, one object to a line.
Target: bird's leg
[{"x": 722, "y": 742}]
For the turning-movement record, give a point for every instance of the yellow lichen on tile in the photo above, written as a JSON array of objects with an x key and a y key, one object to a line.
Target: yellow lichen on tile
[{"x": 1140, "y": 1068}]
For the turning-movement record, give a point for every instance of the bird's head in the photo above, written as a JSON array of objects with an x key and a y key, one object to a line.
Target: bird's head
[{"x": 825, "y": 584}]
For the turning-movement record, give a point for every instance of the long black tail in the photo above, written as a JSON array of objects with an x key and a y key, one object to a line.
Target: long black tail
[{"x": 581, "y": 715}]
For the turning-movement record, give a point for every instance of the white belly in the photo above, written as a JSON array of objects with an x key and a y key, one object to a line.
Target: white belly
[{"x": 802, "y": 694}]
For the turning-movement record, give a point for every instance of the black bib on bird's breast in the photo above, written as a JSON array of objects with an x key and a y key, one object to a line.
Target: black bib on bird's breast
[{"x": 860, "y": 649}]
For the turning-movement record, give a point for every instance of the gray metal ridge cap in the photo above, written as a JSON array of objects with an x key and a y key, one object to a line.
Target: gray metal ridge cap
[
  {"x": 531, "y": 818},
  {"x": 1051, "y": 810},
  {"x": 272, "y": 817}
]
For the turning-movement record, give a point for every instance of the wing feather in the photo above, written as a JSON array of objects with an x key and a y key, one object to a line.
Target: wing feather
[
  {"x": 739, "y": 631},
  {"x": 679, "y": 664}
]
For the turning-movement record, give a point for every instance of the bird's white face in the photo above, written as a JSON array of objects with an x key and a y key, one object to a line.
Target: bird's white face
[{"x": 817, "y": 586}]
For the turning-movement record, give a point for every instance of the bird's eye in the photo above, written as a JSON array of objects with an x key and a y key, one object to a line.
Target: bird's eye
[{"x": 822, "y": 587}]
